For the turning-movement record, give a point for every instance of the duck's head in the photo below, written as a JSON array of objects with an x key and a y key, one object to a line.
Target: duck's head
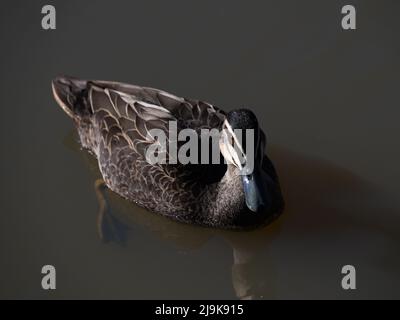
[{"x": 242, "y": 144}]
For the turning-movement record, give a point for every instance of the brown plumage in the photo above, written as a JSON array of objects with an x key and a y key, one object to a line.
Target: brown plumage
[{"x": 113, "y": 121}]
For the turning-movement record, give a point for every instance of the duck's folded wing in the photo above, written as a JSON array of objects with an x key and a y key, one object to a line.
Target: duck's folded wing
[
  {"x": 190, "y": 113},
  {"x": 127, "y": 114},
  {"x": 123, "y": 120},
  {"x": 134, "y": 113}
]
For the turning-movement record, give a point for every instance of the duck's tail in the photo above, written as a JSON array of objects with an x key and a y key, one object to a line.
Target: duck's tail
[{"x": 70, "y": 94}]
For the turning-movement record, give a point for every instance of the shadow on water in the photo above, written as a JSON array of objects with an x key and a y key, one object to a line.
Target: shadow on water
[{"x": 320, "y": 199}]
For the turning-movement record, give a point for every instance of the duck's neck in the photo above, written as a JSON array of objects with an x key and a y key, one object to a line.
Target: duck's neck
[{"x": 225, "y": 199}]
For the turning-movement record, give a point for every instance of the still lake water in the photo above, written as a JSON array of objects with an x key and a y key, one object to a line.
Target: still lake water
[{"x": 328, "y": 100}]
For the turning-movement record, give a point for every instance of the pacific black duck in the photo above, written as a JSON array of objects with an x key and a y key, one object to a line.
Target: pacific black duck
[{"x": 114, "y": 121}]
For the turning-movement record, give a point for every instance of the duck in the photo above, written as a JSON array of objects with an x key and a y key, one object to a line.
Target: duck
[{"x": 115, "y": 122}]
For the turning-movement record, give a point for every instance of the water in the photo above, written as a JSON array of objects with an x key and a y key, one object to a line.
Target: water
[{"x": 328, "y": 101}]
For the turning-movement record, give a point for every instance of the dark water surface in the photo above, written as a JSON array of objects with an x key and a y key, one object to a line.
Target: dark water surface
[{"x": 328, "y": 100}]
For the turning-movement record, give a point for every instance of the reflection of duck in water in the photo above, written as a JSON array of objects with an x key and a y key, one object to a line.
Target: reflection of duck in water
[{"x": 114, "y": 120}]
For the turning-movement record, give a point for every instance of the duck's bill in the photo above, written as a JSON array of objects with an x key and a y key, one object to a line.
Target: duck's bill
[{"x": 256, "y": 191}]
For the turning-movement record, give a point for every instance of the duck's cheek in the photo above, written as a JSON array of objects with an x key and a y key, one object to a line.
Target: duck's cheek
[{"x": 225, "y": 152}]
